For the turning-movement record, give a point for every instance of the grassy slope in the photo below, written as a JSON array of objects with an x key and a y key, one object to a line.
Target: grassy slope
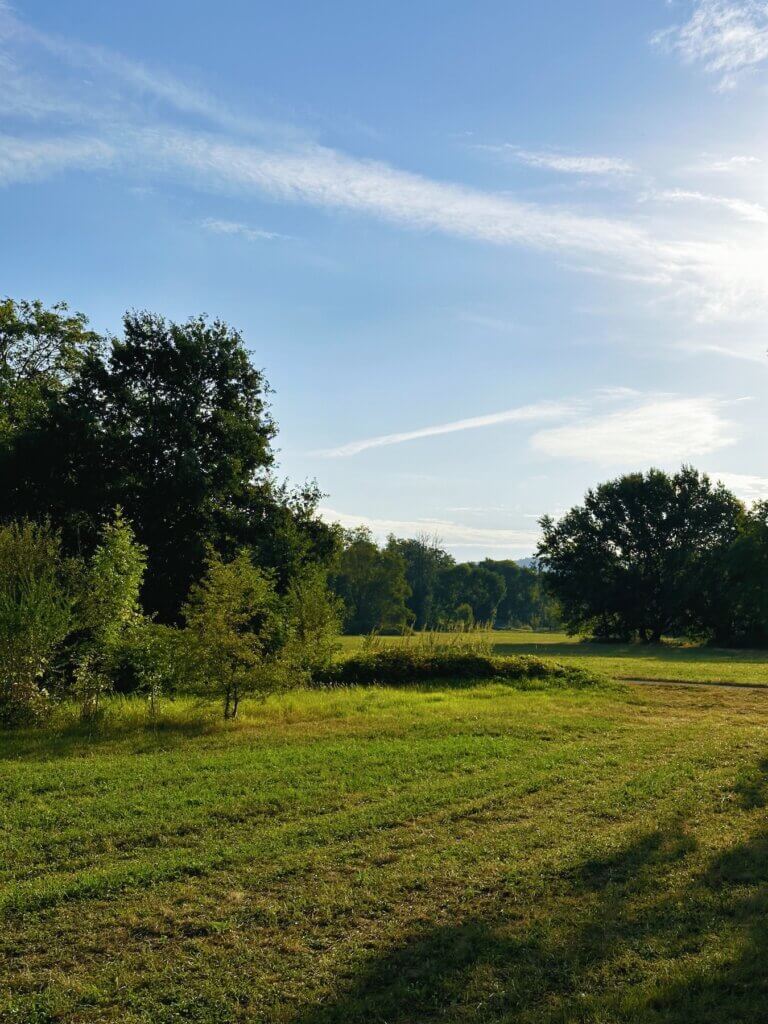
[
  {"x": 368, "y": 856},
  {"x": 628, "y": 661}
]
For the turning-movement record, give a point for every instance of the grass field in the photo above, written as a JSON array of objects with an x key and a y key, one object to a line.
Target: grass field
[
  {"x": 675, "y": 661},
  {"x": 473, "y": 855}
]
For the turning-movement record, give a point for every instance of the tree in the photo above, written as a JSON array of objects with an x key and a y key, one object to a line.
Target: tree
[
  {"x": 40, "y": 351},
  {"x": 641, "y": 555},
  {"x": 110, "y": 608},
  {"x": 35, "y": 615},
  {"x": 741, "y": 598},
  {"x": 526, "y": 600},
  {"x": 424, "y": 559},
  {"x": 171, "y": 422},
  {"x": 314, "y": 615},
  {"x": 468, "y": 585},
  {"x": 234, "y": 627},
  {"x": 371, "y": 583}
]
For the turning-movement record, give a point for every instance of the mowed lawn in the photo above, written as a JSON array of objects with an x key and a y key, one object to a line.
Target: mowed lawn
[
  {"x": 670, "y": 660},
  {"x": 453, "y": 855}
]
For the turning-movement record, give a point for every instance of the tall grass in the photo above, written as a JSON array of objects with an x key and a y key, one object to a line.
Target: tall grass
[{"x": 455, "y": 657}]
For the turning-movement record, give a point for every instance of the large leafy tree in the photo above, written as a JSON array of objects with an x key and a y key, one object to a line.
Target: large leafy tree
[
  {"x": 741, "y": 598},
  {"x": 642, "y": 556},
  {"x": 170, "y": 422},
  {"x": 40, "y": 352}
]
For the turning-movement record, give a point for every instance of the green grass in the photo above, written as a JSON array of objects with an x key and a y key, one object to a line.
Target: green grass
[
  {"x": 457, "y": 855},
  {"x": 670, "y": 660}
]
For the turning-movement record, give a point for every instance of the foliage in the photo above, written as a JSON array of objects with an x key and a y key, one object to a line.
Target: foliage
[
  {"x": 40, "y": 352},
  {"x": 675, "y": 660},
  {"x": 468, "y": 585},
  {"x": 35, "y": 615},
  {"x": 452, "y": 660},
  {"x": 149, "y": 660},
  {"x": 171, "y": 422},
  {"x": 424, "y": 559},
  {"x": 313, "y": 617},
  {"x": 526, "y": 600},
  {"x": 372, "y": 585},
  {"x": 739, "y": 597},
  {"x": 234, "y": 629},
  {"x": 464, "y": 616},
  {"x": 110, "y": 609},
  {"x": 642, "y": 556}
]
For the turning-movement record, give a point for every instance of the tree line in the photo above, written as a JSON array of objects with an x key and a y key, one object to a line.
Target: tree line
[
  {"x": 143, "y": 531},
  {"x": 413, "y": 583},
  {"x": 145, "y": 538}
]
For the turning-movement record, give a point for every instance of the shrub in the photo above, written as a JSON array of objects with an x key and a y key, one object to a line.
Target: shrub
[
  {"x": 35, "y": 616},
  {"x": 149, "y": 660},
  {"x": 313, "y": 617},
  {"x": 233, "y": 631},
  {"x": 402, "y": 665},
  {"x": 110, "y": 609}
]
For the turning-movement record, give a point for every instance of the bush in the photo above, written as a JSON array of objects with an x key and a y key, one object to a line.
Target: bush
[
  {"x": 35, "y": 616},
  {"x": 402, "y": 665},
  {"x": 149, "y": 660},
  {"x": 110, "y": 609},
  {"x": 234, "y": 630},
  {"x": 313, "y": 617}
]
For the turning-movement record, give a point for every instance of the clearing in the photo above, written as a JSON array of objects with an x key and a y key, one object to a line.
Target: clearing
[{"x": 401, "y": 856}]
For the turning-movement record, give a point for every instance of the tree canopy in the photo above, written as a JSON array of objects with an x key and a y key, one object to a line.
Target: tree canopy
[
  {"x": 643, "y": 555},
  {"x": 171, "y": 422}
]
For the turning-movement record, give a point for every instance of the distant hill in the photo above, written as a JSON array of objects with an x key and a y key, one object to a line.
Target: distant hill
[{"x": 528, "y": 563}]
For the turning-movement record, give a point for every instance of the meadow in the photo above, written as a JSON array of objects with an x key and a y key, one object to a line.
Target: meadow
[
  {"x": 473, "y": 854},
  {"x": 680, "y": 661}
]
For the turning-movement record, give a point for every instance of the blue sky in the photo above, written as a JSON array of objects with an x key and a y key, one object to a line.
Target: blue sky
[{"x": 487, "y": 253}]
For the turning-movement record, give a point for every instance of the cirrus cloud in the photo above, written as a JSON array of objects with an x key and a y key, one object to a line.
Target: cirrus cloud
[
  {"x": 524, "y": 413},
  {"x": 450, "y": 533},
  {"x": 728, "y": 37},
  {"x": 663, "y": 431}
]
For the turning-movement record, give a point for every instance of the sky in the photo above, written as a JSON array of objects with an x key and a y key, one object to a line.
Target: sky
[{"x": 488, "y": 254}]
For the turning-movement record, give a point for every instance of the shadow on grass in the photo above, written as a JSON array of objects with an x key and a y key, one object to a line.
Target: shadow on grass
[
  {"x": 633, "y": 944},
  {"x": 668, "y": 651},
  {"x": 752, "y": 786},
  {"x": 74, "y": 736}
]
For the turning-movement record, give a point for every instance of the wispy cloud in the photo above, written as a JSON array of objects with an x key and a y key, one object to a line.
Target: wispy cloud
[
  {"x": 450, "y": 533},
  {"x": 662, "y": 431},
  {"x": 142, "y": 80},
  {"x": 718, "y": 274},
  {"x": 491, "y": 323},
  {"x": 748, "y": 488},
  {"x": 326, "y": 177},
  {"x": 525, "y": 413},
  {"x": 483, "y": 510},
  {"x": 28, "y": 159},
  {"x": 753, "y": 212},
  {"x": 722, "y": 275},
  {"x": 727, "y": 37},
  {"x": 729, "y": 164},
  {"x": 232, "y": 227},
  {"x": 751, "y": 352},
  {"x": 564, "y": 163}
]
